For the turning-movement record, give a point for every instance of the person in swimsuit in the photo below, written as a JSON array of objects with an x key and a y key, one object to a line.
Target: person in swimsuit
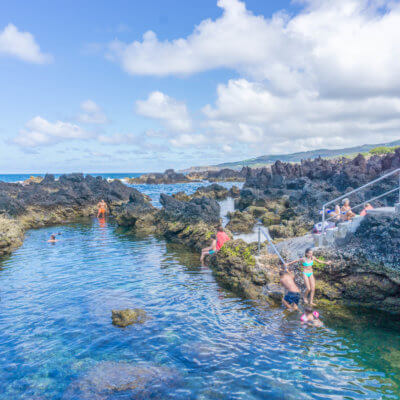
[
  {"x": 209, "y": 250},
  {"x": 222, "y": 238},
  {"x": 307, "y": 263},
  {"x": 292, "y": 297},
  {"x": 102, "y": 206},
  {"x": 52, "y": 239},
  {"x": 346, "y": 212},
  {"x": 311, "y": 317}
]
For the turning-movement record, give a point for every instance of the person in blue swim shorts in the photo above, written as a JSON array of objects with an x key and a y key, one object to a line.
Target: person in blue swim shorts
[
  {"x": 209, "y": 250},
  {"x": 292, "y": 296}
]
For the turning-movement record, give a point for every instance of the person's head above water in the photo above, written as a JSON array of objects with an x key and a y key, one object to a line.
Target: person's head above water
[
  {"x": 308, "y": 252},
  {"x": 52, "y": 236},
  {"x": 308, "y": 310}
]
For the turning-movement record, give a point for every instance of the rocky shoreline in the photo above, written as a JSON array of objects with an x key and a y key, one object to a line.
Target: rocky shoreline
[{"x": 286, "y": 198}]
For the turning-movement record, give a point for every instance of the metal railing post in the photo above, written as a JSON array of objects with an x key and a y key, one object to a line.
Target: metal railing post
[
  {"x": 399, "y": 186},
  {"x": 259, "y": 239},
  {"x": 321, "y": 238}
]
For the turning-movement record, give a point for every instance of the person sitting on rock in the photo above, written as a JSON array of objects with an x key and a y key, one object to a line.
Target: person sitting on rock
[
  {"x": 367, "y": 207},
  {"x": 307, "y": 263},
  {"x": 222, "y": 238},
  {"x": 102, "y": 206},
  {"x": 346, "y": 212},
  {"x": 52, "y": 239},
  {"x": 311, "y": 317},
  {"x": 209, "y": 250},
  {"x": 292, "y": 297}
]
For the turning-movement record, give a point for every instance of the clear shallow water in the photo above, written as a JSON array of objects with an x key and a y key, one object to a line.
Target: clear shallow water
[{"x": 57, "y": 340}]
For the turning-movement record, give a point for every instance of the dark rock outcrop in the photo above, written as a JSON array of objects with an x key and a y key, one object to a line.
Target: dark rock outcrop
[
  {"x": 213, "y": 191},
  {"x": 156, "y": 178},
  {"x": 221, "y": 175},
  {"x": 311, "y": 183},
  {"x": 241, "y": 222},
  {"x": 366, "y": 270},
  {"x": 137, "y": 214},
  {"x": 196, "y": 210}
]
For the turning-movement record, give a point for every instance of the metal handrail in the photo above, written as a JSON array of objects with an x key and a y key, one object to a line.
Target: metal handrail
[
  {"x": 396, "y": 171},
  {"x": 269, "y": 238}
]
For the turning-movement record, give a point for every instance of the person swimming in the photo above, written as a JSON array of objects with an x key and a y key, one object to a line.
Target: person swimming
[
  {"x": 102, "y": 208},
  {"x": 292, "y": 296},
  {"x": 52, "y": 239},
  {"x": 311, "y": 317},
  {"x": 209, "y": 250},
  {"x": 307, "y": 263}
]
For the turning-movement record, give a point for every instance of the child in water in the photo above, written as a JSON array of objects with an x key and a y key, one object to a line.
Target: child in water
[
  {"x": 209, "y": 250},
  {"x": 52, "y": 239},
  {"x": 311, "y": 317},
  {"x": 307, "y": 263}
]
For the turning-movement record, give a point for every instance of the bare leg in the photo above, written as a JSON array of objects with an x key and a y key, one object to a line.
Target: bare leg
[
  {"x": 286, "y": 304},
  {"x": 308, "y": 289},
  {"x": 204, "y": 252},
  {"x": 312, "y": 287}
]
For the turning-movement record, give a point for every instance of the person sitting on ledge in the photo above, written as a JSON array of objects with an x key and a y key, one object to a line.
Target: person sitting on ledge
[
  {"x": 346, "y": 212},
  {"x": 209, "y": 250},
  {"x": 292, "y": 297},
  {"x": 222, "y": 238},
  {"x": 367, "y": 207}
]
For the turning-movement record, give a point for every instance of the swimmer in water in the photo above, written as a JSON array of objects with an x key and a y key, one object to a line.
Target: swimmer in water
[
  {"x": 52, "y": 239},
  {"x": 103, "y": 208},
  {"x": 311, "y": 317},
  {"x": 307, "y": 263},
  {"x": 292, "y": 297}
]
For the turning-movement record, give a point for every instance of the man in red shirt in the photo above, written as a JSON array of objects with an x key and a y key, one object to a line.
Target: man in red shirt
[{"x": 222, "y": 238}]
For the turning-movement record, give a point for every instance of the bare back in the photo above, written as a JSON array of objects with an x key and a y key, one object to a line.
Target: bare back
[{"x": 287, "y": 281}]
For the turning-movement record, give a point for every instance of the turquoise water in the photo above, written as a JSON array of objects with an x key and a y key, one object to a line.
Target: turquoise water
[{"x": 202, "y": 342}]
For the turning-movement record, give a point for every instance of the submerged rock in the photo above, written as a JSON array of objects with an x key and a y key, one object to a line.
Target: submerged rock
[
  {"x": 129, "y": 316},
  {"x": 111, "y": 380}
]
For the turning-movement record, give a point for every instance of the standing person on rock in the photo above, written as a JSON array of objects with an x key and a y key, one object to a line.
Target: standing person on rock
[
  {"x": 102, "y": 209},
  {"x": 209, "y": 250},
  {"x": 307, "y": 263},
  {"x": 292, "y": 297}
]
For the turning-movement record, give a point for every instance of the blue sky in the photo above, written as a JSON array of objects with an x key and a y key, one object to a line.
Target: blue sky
[{"x": 83, "y": 90}]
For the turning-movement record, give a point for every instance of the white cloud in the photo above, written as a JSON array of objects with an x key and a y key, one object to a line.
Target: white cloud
[
  {"x": 189, "y": 140},
  {"x": 170, "y": 112},
  {"x": 341, "y": 47},
  {"x": 21, "y": 45},
  {"x": 40, "y": 132},
  {"x": 92, "y": 113},
  {"x": 118, "y": 139},
  {"x": 250, "y": 113}
]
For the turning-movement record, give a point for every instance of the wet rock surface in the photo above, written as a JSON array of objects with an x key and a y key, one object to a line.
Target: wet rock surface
[
  {"x": 241, "y": 222},
  {"x": 129, "y": 316}
]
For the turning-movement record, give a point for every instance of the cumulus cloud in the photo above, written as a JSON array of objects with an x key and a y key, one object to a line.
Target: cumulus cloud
[
  {"x": 40, "y": 132},
  {"x": 171, "y": 113},
  {"x": 340, "y": 47},
  {"x": 21, "y": 45},
  {"x": 249, "y": 112},
  {"x": 92, "y": 113}
]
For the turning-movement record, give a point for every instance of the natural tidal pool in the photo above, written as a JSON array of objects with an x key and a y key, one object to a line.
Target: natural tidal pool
[{"x": 201, "y": 341}]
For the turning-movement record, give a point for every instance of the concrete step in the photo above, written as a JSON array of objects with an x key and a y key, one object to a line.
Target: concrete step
[{"x": 382, "y": 211}]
